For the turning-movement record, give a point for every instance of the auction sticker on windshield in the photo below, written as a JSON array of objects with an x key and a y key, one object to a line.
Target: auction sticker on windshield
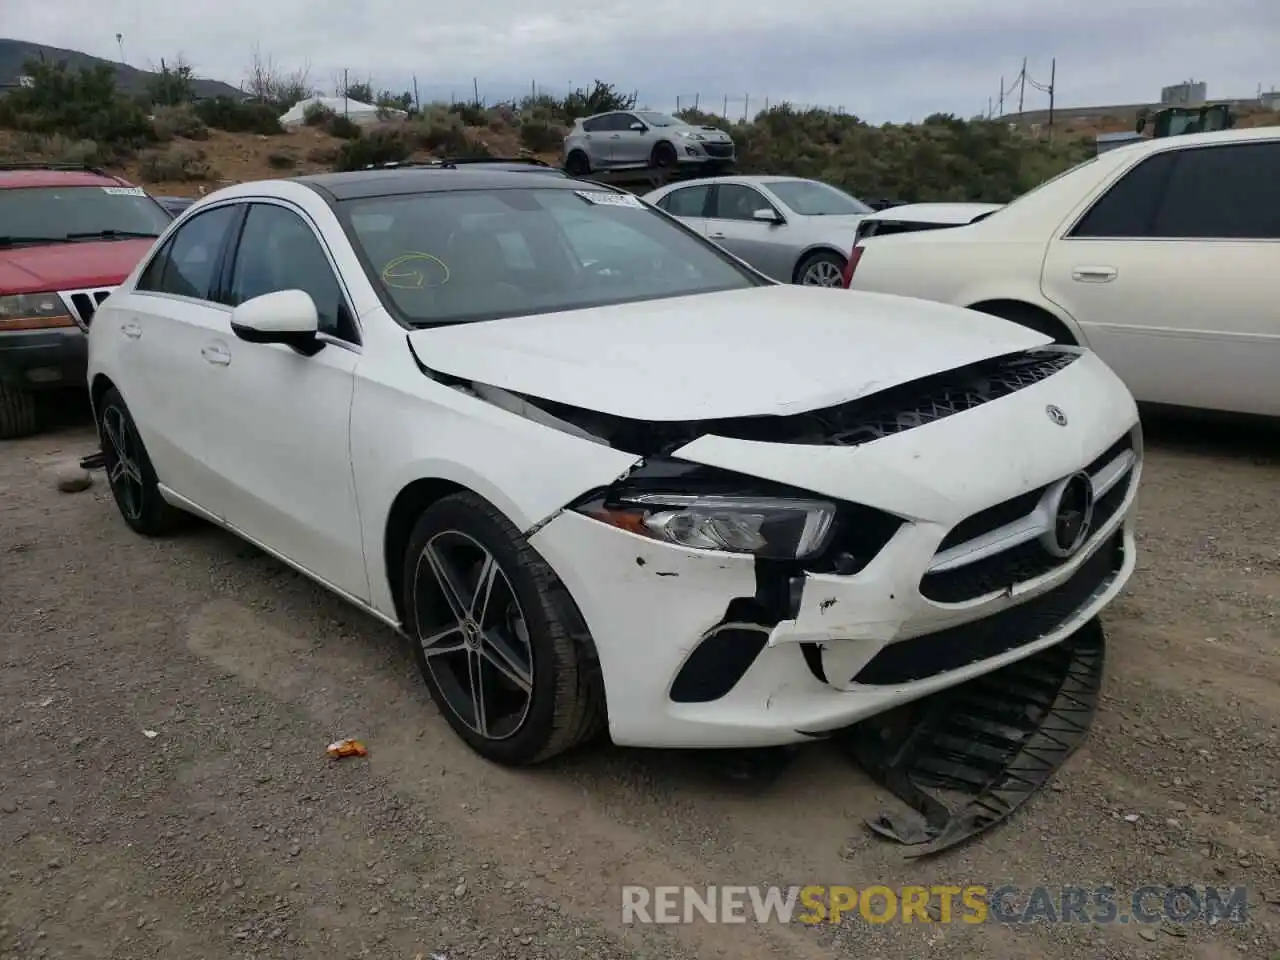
[
  {"x": 603, "y": 199},
  {"x": 124, "y": 191}
]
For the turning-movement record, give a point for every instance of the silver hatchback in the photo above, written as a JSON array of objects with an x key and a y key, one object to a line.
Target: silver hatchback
[
  {"x": 637, "y": 139},
  {"x": 788, "y": 228}
]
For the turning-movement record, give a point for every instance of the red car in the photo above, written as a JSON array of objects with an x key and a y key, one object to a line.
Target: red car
[{"x": 68, "y": 236}]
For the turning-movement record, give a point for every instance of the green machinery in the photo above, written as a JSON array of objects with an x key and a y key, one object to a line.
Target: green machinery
[{"x": 1175, "y": 121}]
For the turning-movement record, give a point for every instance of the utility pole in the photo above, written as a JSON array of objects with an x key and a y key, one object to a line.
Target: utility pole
[
  {"x": 346, "y": 100},
  {"x": 475, "y": 90},
  {"x": 417, "y": 104},
  {"x": 1053, "y": 75},
  {"x": 1022, "y": 83},
  {"x": 1002, "y": 94}
]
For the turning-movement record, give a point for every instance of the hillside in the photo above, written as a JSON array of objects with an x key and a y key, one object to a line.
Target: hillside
[{"x": 129, "y": 80}]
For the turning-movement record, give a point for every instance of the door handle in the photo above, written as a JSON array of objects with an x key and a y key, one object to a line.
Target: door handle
[
  {"x": 131, "y": 330},
  {"x": 616, "y": 136},
  {"x": 216, "y": 353},
  {"x": 716, "y": 236},
  {"x": 1094, "y": 274}
]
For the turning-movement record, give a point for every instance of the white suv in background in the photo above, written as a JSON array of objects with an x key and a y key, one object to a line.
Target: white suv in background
[{"x": 1159, "y": 256}]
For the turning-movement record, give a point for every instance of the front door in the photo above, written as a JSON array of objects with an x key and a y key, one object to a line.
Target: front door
[
  {"x": 630, "y": 147},
  {"x": 1167, "y": 275},
  {"x": 690, "y": 205},
  {"x": 279, "y": 437},
  {"x": 732, "y": 224}
]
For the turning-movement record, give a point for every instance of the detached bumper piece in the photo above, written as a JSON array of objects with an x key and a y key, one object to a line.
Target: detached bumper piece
[
  {"x": 965, "y": 759},
  {"x": 94, "y": 461}
]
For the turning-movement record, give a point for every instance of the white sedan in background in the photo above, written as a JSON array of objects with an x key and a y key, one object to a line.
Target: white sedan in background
[
  {"x": 599, "y": 471},
  {"x": 1159, "y": 256}
]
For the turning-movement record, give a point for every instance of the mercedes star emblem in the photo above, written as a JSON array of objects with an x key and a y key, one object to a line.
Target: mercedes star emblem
[
  {"x": 1056, "y": 415},
  {"x": 1070, "y": 509}
]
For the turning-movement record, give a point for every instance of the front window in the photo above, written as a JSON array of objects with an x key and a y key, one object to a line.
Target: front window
[
  {"x": 809, "y": 198},
  {"x": 457, "y": 257},
  {"x": 658, "y": 119},
  {"x": 67, "y": 214}
]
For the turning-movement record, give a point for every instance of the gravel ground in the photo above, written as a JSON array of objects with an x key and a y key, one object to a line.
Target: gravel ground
[{"x": 164, "y": 708}]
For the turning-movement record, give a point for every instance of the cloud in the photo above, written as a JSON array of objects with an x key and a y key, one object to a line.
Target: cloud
[{"x": 883, "y": 61}]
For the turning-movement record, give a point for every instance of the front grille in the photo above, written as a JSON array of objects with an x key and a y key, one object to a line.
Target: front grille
[
  {"x": 720, "y": 151},
  {"x": 84, "y": 304},
  {"x": 923, "y": 402},
  {"x": 1023, "y": 562},
  {"x": 951, "y": 649}
]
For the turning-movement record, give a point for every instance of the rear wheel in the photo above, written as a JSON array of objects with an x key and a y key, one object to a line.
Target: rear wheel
[
  {"x": 821, "y": 269},
  {"x": 17, "y": 412},
  {"x": 129, "y": 472},
  {"x": 499, "y": 642},
  {"x": 577, "y": 164},
  {"x": 664, "y": 155}
]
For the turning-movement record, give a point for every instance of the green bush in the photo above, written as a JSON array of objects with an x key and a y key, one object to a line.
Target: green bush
[
  {"x": 56, "y": 148},
  {"x": 471, "y": 114},
  {"x": 317, "y": 115},
  {"x": 178, "y": 121},
  {"x": 174, "y": 164},
  {"x": 235, "y": 116},
  {"x": 81, "y": 104},
  {"x": 343, "y": 127},
  {"x": 380, "y": 146},
  {"x": 540, "y": 136}
]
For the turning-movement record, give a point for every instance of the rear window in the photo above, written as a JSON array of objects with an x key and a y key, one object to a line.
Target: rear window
[
  {"x": 58, "y": 214},
  {"x": 465, "y": 256}
]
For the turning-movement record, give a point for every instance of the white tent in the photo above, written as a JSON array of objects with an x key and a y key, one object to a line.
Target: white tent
[{"x": 361, "y": 113}]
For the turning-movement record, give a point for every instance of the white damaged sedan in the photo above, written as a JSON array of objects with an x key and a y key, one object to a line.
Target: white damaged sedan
[{"x": 599, "y": 471}]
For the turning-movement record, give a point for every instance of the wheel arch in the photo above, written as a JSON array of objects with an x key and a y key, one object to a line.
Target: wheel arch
[
  {"x": 97, "y": 390},
  {"x": 406, "y": 507},
  {"x": 1032, "y": 315},
  {"x": 810, "y": 251}
]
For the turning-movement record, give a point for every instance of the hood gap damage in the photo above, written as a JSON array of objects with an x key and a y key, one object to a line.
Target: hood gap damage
[{"x": 890, "y": 411}]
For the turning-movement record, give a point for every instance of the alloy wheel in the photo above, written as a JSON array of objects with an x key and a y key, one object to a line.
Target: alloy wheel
[
  {"x": 474, "y": 635},
  {"x": 822, "y": 273},
  {"x": 124, "y": 469}
]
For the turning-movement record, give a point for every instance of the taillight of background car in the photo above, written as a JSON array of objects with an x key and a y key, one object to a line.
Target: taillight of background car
[{"x": 854, "y": 256}]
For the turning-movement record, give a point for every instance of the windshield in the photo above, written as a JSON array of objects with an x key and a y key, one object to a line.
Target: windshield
[
  {"x": 61, "y": 214},
  {"x": 658, "y": 119},
  {"x": 473, "y": 255},
  {"x": 809, "y": 198}
]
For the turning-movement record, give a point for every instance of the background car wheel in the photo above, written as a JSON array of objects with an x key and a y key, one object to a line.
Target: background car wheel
[
  {"x": 498, "y": 639},
  {"x": 1033, "y": 318},
  {"x": 129, "y": 472},
  {"x": 17, "y": 412},
  {"x": 664, "y": 155},
  {"x": 821, "y": 269},
  {"x": 577, "y": 164}
]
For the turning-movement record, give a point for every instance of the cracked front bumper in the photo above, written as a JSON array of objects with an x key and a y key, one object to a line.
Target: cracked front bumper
[{"x": 649, "y": 606}]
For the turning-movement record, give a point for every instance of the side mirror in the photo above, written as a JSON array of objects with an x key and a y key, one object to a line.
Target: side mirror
[
  {"x": 767, "y": 216},
  {"x": 286, "y": 316},
  {"x": 638, "y": 126}
]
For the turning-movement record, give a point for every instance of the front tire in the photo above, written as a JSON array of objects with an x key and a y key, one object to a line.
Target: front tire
[
  {"x": 499, "y": 642},
  {"x": 577, "y": 164},
  {"x": 17, "y": 412},
  {"x": 821, "y": 269},
  {"x": 130, "y": 474},
  {"x": 664, "y": 156}
]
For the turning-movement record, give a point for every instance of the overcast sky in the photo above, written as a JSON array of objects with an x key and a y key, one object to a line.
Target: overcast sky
[{"x": 888, "y": 60}]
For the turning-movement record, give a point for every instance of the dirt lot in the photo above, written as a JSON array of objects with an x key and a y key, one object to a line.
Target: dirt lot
[{"x": 228, "y": 833}]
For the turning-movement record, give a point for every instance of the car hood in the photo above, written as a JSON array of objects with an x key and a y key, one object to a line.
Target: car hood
[
  {"x": 774, "y": 350},
  {"x": 944, "y": 214},
  {"x": 69, "y": 266},
  {"x": 709, "y": 134}
]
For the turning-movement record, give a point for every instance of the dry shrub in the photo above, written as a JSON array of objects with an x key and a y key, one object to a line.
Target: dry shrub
[
  {"x": 174, "y": 164},
  {"x": 179, "y": 121}
]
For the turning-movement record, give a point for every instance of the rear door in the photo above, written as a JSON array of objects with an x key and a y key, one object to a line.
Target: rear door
[
  {"x": 599, "y": 147},
  {"x": 1168, "y": 271},
  {"x": 162, "y": 325},
  {"x": 762, "y": 244},
  {"x": 690, "y": 204}
]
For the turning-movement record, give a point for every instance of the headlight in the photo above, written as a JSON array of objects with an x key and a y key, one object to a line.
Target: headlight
[
  {"x": 770, "y": 527},
  {"x": 33, "y": 311}
]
